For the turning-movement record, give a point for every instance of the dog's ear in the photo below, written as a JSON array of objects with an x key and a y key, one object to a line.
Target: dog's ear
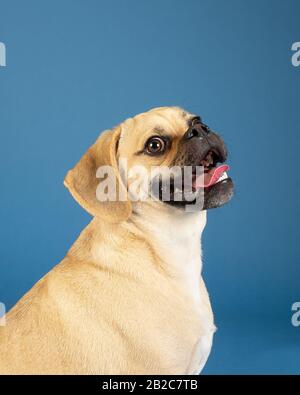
[{"x": 82, "y": 181}]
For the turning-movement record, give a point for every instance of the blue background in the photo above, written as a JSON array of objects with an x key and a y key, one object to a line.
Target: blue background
[{"x": 75, "y": 68}]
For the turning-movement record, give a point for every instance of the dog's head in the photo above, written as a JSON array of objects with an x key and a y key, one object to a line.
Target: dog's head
[{"x": 136, "y": 157}]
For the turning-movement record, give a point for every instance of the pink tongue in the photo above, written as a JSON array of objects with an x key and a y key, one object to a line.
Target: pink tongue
[{"x": 211, "y": 177}]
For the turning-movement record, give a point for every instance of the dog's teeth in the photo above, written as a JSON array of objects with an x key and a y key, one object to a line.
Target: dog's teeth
[{"x": 223, "y": 176}]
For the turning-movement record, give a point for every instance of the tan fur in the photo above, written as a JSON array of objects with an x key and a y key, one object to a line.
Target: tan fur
[{"x": 129, "y": 297}]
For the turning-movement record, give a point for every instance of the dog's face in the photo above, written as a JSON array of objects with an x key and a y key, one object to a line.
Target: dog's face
[
  {"x": 171, "y": 137},
  {"x": 161, "y": 138}
]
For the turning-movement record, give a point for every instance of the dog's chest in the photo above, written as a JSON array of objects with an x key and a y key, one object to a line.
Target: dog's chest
[
  {"x": 189, "y": 337},
  {"x": 196, "y": 334},
  {"x": 200, "y": 353},
  {"x": 184, "y": 261},
  {"x": 204, "y": 330}
]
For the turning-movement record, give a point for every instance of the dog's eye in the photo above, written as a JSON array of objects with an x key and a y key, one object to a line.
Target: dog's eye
[{"x": 155, "y": 145}]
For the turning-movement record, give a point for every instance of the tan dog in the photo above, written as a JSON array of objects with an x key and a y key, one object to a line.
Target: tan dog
[{"x": 129, "y": 297}]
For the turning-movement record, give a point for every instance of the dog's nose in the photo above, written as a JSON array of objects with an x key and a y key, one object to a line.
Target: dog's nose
[{"x": 197, "y": 131}]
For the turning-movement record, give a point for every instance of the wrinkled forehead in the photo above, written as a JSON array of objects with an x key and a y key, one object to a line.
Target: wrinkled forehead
[{"x": 172, "y": 121}]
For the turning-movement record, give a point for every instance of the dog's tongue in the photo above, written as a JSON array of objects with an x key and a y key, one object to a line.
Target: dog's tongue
[{"x": 211, "y": 177}]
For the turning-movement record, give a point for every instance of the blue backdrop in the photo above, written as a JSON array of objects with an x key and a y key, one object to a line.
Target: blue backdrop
[{"x": 75, "y": 68}]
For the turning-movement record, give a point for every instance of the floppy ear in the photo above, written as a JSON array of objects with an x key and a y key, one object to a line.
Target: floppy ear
[{"x": 82, "y": 181}]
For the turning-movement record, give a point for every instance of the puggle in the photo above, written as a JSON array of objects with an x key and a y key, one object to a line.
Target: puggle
[{"x": 129, "y": 297}]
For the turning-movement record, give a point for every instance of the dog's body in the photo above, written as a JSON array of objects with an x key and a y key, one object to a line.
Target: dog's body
[
  {"x": 93, "y": 313},
  {"x": 127, "y": 299}
]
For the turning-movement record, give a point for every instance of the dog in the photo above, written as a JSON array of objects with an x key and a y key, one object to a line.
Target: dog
[{"x": 129, "y": 297}]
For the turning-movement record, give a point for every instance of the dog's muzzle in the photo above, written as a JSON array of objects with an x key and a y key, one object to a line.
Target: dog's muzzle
[{"x": 201, "y": 147}]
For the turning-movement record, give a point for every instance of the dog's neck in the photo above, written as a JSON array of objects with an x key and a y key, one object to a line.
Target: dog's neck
[
  {"x": 172, "y": 235},
  {"x": 176, "y": 237}
]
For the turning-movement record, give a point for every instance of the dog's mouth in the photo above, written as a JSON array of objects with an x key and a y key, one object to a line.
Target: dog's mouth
[
  {"x": 215, "y": 183},
  {"x": 207, "y": 186},
  {"x": 213, "y": 171}
]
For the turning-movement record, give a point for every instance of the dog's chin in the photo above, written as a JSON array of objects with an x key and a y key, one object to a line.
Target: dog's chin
[
  {"x": 212, "y": 197},
  {"x": 218, "y": 194}
]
